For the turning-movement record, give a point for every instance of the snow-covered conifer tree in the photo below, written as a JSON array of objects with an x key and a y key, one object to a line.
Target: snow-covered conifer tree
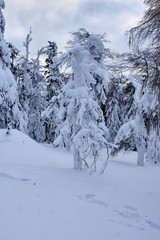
[
  {"x": 24, "y": 78},
  {"x": 94, "y": 43},
  {"x": 120, "y": 108},
  {"x": 4, "y": 53},
  {"x": 81, "y": 121},
  {"x": 37, "y": 102},
  {"x": 14, "y": 52},
  {"x": 113, "y": 118},
  {"x": 52, "y": 73},
  {"x": 53, "y": 86},
  {"x": 9, "y": 104},
  {"x": 102, "y": 76}
]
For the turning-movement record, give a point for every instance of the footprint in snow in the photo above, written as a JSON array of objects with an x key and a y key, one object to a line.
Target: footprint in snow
[
  {"x": 152, "y": 224},
  {"x": 132, "y": 215},
  {"x": 129, "y": 215},
  {"x": 90, "y": 197},
  {"x": 6, "y": 175},
  {"x": 131, "y": 208}
]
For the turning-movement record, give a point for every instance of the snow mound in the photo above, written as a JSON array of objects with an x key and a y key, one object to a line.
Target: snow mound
[
  {"x": 17, "y": 148},
  {"x": 15, "y": 136}
]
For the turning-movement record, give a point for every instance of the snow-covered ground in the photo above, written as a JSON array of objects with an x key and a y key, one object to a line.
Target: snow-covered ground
[{"x": 43, "y": 198}]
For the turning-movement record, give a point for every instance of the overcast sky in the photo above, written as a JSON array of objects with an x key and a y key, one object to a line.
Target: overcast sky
[{"x": 53, "y": 20}]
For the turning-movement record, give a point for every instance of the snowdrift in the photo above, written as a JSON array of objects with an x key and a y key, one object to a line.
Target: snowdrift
[
  {"x": 17, "y": 148},
  {"x": 43, "y": 198}
]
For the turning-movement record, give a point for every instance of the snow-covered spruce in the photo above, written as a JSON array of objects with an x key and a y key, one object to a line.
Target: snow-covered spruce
[
  {"x": 9, "y": 104},
  {"x": 94, "y": 43},
  {"x": 102, "y": 76},
  {"x": 37, "y": 103},
  {"x": 52, "y": 73},
  {"x": 24, "y": 80},
  {"x": 80, "y": 117},
  {"x": 53, "y": 86}
]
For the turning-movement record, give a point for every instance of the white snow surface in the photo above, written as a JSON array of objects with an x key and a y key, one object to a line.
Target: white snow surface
[{"x": 42, "y": 197}]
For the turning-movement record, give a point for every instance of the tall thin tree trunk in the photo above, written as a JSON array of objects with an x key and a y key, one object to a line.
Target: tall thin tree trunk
[
  {"x": 77, "y": 159},
  {"x": 140, "y": 151},
  {"x": 140, "y": 144}
]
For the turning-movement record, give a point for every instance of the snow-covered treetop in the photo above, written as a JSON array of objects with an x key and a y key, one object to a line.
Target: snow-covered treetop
[
  {"x": 82, "y": 63},
  {"x": 51, "y": 51},
  {"x": 52, "y": 48},
  {"x": 2, "y": 4},
  {"x": 95, "y": 46},
  {"x": 78, "y": 54}
]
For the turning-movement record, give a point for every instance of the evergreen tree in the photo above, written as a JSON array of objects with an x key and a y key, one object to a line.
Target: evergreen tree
[
  {"x": 80, "y": 118},
  {"x": 112, "y": 109},
  {"x": 14, "y": 53},
  {"x": 4, "y": 53},
  {"x": 94, "y": 43},
  {"x": 52, "y": 73},
  {"x": 37, "y": 102},
  {"x": 102, "y": 76},
  {"x": 9, "y": 104},
  {"x": 24, "y": 81},
  {"x": 104, "y": 88},
  {"x": 54, "y": 82}
]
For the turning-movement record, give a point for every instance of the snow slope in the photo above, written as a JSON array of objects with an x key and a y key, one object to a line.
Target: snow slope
[{"x": 43, "y": 198}]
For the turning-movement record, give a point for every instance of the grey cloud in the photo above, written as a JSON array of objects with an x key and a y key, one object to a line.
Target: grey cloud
[
  {"x": 109, "y": 7},
  {"x": 110, "y": 17},
  {"x": 54, "y": 22}
]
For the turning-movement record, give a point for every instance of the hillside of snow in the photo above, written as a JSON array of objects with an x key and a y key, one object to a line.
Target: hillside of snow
[{"x": 42, "y": 197}]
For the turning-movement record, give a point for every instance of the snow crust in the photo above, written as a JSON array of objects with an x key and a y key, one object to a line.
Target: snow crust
[{"x": 42, "y": 197}]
